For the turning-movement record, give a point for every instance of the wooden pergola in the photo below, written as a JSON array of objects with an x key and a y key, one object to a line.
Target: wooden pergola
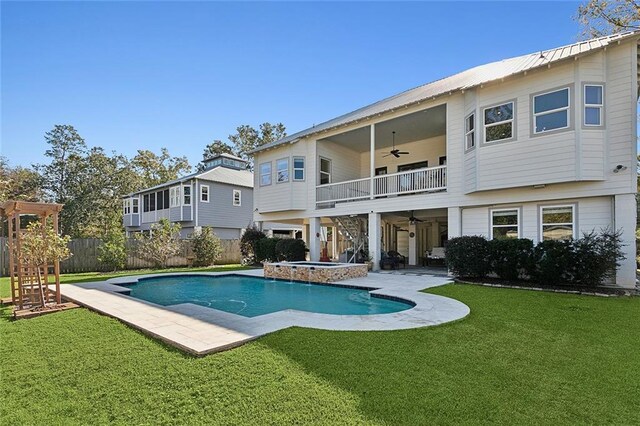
[{"x": 25, "y": 287}]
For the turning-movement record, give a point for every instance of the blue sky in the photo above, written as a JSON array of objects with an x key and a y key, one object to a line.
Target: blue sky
[{"x": 146, "y": 75}]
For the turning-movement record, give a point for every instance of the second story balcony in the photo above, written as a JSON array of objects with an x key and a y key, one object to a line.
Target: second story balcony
[{"x": 406, "y": 155}]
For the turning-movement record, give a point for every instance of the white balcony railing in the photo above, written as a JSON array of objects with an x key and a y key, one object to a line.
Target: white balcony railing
[{"x": 409, "y": 182}]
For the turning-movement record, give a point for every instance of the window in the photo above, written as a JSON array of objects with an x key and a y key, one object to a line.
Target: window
[
  {"x": 557, "y": 222},
  {"x": 174, "y": 195},
  {"x": 160, "y": 200},
  {"x": 505, "y": 223},
  {"x": 152, "y": 202},
  {"x": 442, "y": 161},
  {"x": 282, "y": 170},
  {"x": 145, "y": 203},
  {"x": 325, "y": 171},
  {"x": 204, "y": 193},
  {"x": 593, "y": 105},
  {"x": 498, "y": 122},
  {"x": 551, "y": 111},
  {"x": 470, "y": 132},
  {"x": 135, "y": 206},
  {"x": 165, "y": 195},
  {"x": 126, "y": 206},
  {"x": 237, "y": 197},
  {"x": 298, "y": 168},
  {"x": 186, "y": 193},
  {"x": 265, "y": 174}
]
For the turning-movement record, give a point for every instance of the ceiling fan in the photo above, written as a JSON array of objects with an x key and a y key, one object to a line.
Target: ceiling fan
[
  {"x": 413, "y": 219},
  {"x": 395, "y": 152}
]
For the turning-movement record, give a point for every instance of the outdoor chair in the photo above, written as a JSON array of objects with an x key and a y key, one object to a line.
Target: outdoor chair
[{"x": 436, "y": 255}]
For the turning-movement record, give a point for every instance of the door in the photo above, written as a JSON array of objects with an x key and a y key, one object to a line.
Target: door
[
  {"x": 406, "y": 183},
  {"x": 381, "y": 184}
]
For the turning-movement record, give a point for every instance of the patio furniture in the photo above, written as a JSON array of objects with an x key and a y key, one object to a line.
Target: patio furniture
[
  {"x": 393, "y": 259},
  {"x": 436, "y": 254}
]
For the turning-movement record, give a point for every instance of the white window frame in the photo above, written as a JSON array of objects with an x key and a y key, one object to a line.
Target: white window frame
[
  {"x": 325, "y": 173},
  {"x": 278, "y": 161},
  {"x": 174, "y": 196},
  {"x": 506, "y": 209},
  {"x": 293, "y": 166},
  {"x": 574, "y": 222},
  {"x": 239, "y": 194},
  {"x": 535, "y": 115},
  {"x": 126, "y": 207},
  {"x": 203, "y": 192},
  {"x": 586, "y": 105},
  {"x": 269, "y": 174},
  {"x": 185, "y": 195},
  {"x": 471, "y": 132},
  {"x": 509, "y": 121},
  {"x": 135, "y": 205}
]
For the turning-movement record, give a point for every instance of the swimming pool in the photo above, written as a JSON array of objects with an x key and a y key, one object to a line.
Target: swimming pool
[{"x": 253, "y": 296}]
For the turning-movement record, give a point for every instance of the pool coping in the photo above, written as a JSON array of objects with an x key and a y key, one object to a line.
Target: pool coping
[{"x": 201, "y": 330}]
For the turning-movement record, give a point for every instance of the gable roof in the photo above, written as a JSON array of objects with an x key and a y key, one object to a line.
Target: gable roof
[
  {"x": 217, "y": 174},
  {"x": 224, "y": 154},
  {"x": 468, "y": 79}
]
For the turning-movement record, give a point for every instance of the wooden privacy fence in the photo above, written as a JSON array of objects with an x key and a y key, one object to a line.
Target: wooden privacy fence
[{"x": 85, "y": 256}]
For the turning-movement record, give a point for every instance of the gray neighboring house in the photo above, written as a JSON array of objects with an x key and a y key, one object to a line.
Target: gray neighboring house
[{"x": 220, "y": 196}]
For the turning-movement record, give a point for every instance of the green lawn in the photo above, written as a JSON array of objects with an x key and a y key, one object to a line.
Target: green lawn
[{"x": 520, "y": 357}]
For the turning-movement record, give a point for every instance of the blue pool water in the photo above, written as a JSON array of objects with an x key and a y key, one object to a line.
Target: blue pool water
[{"x": 251, "y": 296}]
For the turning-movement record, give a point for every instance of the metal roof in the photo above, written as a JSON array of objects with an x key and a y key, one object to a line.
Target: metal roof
[
  {"x": 470, "y": 78},
  {"x": 225, "y": 155}
]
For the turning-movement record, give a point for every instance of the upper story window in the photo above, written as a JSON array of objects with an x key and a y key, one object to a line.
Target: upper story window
[
  {"x": 160, "y": 200},
  {"x": 470, "y": 132},
  {"x": 126, "y": 206},
  {"x": 551, "y": 111},
  {"x": 237, "y": 197},
  {"x": 152, "y": 202},
  {"x": 325, "y": 171},
  {"x": 593, "y": 105},
  {"x": 498, "y": 122},
  {"x": 282, "y": 170},
  {"x": 298, "y": 168},
  {"x": 145, "y": 203},
  {"x": 174, "y": 196},
  {"x": 265, "y": 174},
  {"x": 186, "y": 195},
  {"x": 135, "y": 208},
  {"x": 557, "y": 222},
  {"x": 204, "y": 193},
  {"x": 505, "y": 223}
]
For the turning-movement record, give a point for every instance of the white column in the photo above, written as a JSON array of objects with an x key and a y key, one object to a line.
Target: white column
[
  {"x": 372, "y": 159},
  {"x": 454, "y": 222},
  {"x": 625, "y": 220},
  {"x": 334, "y": 242},
  {"x": 413, "y": 244},
  {"x": 314, "y": 239},
  {"x": 435, "y": 234},
  {"x": 375, "y": 239}
]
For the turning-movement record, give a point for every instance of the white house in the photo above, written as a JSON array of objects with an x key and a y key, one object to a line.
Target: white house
[{"x": 538, "y": 146}]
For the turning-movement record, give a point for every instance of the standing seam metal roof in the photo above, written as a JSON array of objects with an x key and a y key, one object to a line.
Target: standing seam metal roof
[{"x": 470, "y": 78}]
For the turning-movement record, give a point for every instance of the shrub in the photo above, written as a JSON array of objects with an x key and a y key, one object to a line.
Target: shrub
[
  {"x": 206, "y": 247},
  {"x": 510, "y": 257},
  {"x": 291, "y": 250},
  {"x": 596, "y": 257},
  {"x": 266, "y": 249},
  {"x": 552, "y": 262},
  {"x": 162, "y": 243},
  {"x": 467, "y": 256},
  {"x": 113, "y": 250},
  {"x": 248, "y": 244}
]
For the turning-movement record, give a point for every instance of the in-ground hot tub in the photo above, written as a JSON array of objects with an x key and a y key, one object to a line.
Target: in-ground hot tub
[{"x": 315, "y": 272}]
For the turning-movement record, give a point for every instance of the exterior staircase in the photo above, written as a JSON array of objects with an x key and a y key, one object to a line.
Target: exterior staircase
[{"x": 353, "y": 228}]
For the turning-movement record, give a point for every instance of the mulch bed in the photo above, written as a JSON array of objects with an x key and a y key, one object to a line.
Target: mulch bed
[{"x": 572, "y": 289}]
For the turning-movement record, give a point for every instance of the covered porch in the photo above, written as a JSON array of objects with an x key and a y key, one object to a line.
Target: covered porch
[{"x": 401, "y": 156}]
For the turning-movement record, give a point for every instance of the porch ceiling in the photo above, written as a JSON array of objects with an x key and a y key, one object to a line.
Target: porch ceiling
[
  {"x": 402, "y": 217},
  {"x": 411, "y": 127}
]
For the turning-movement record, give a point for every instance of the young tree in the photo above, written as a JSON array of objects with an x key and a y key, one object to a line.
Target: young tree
[
  {"x": 247, "y": 138},
  {"x": 206, "y": 247},
  {"x": 602, "y": 17},
  {"x": 162, "y": 243},
  {"x": 248, "y": 244},
  {"x": 41, "y": 246},
  {"x": 113, "y": 251}
]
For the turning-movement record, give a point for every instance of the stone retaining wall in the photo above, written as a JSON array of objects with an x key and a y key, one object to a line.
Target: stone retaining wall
[{"x": 315, "y": 274}]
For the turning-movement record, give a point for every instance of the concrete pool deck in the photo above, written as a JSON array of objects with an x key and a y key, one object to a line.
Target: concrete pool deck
[{"x": 200, "y": 330}]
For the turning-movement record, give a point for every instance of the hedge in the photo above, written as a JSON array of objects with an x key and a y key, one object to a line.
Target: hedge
[{"x": 291, "y": 250}]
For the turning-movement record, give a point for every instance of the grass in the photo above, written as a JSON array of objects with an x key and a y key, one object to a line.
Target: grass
[
  {"x": 521, "y": 357},
  {"x": 5, "y": 284}
]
